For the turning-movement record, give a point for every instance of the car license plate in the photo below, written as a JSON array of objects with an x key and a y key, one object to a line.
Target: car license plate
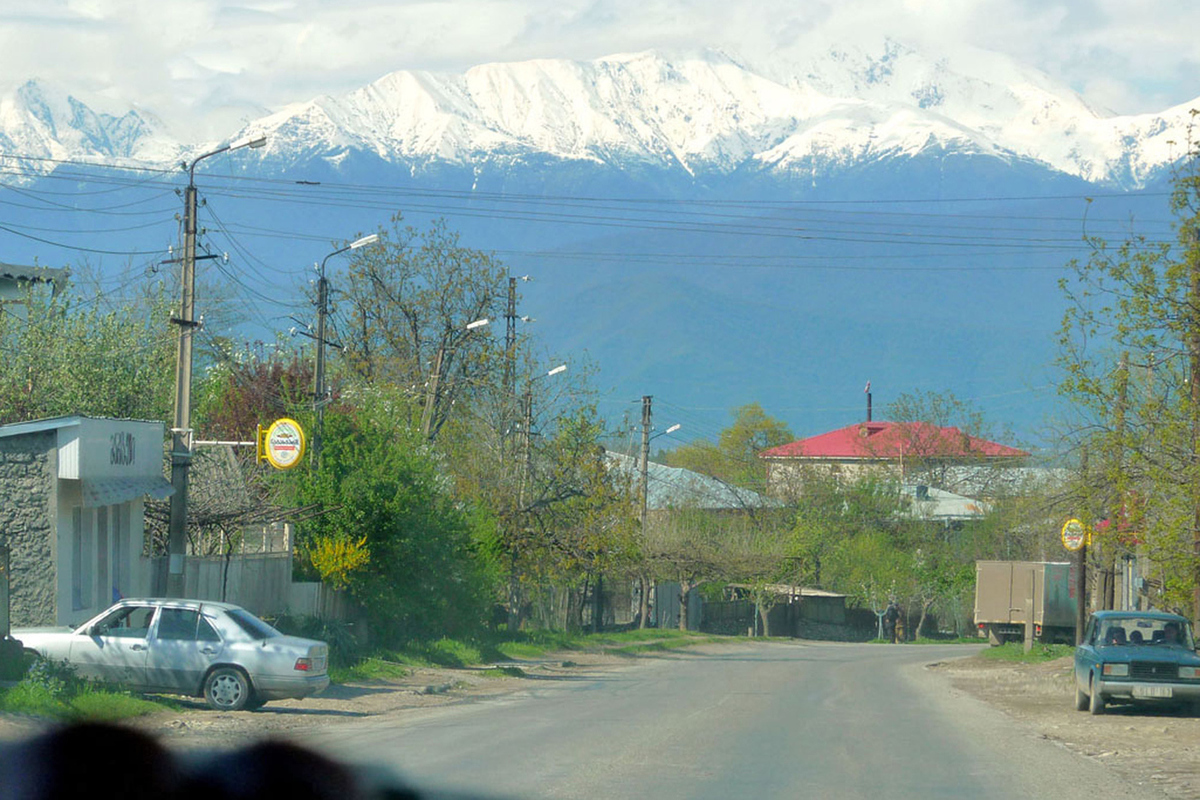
[{"x": 1152, "y": 691}]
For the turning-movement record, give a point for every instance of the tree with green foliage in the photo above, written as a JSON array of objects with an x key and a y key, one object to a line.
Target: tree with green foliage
[
  {"x": 734, "y": 458},
  {"x": 402, "y": 315},
  {"x": 63, "y": 353},
  {"x": 949, "y": 462},
  {"x": 390, "y": 528},
  {"x": 1129, "y": 352}
]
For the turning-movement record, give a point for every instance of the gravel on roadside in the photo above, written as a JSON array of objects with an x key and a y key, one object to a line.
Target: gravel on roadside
[{"x": 1159, "y": 747}]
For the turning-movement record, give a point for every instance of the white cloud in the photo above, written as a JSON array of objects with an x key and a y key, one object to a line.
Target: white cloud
[{"x": 187, "y": 58}]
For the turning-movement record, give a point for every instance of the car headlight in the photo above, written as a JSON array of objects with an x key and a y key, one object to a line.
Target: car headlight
[
  {"x": 1116, "y": 670},
  {"x": 1189, "y": 672}
]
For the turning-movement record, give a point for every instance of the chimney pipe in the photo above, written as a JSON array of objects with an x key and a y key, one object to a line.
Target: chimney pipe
[{"x": 868, "y": 391}]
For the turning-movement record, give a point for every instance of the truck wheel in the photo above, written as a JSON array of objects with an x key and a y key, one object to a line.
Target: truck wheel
[
  {"x": 1081, "y": 699},
  {"x": 1096, "y": 701},
  {"x": 227, "y": 689}
]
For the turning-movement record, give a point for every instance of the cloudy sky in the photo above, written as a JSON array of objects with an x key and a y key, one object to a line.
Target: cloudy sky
[{"x": 208, "y": 64}]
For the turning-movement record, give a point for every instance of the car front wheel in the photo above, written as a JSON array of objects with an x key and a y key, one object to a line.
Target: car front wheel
[
  {"x": 1081, "y": 699},
  {"x": 1096, "y": 702},
  {"x": 227, "y": 689}
]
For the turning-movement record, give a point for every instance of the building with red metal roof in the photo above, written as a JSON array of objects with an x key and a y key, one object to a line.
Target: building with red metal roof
[{"x": 903, "y": 450}]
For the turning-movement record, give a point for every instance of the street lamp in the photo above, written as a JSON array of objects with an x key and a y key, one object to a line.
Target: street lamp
[
  {"x": 319, "y": 399},
  {"x": 647, "y": 438},
  {"x": 181, "y": 446},
  {"x": 561, "y": 368}
]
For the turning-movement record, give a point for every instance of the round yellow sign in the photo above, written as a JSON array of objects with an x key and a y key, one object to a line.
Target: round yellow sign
[
  {"x": 283, "y": 443},
  {"x": 1074, "y": 534}
]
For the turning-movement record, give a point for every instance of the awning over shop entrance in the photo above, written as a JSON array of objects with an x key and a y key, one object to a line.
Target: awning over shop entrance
[{"x": 110, "y": 491}]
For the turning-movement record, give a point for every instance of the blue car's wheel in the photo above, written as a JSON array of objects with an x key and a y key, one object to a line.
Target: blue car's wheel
[
  {"x": 1081, "y": 699},
  {"x": 1096, "y": 700}
]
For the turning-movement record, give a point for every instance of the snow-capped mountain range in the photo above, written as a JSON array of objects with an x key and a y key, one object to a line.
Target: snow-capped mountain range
[{"x": 707, "y": 113}]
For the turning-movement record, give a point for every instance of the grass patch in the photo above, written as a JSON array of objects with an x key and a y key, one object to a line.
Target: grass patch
[
  {"x": 528, "y": 645},
  {"x": 105, "y": 705},
  {"x": 1015, "y": 651},
  {"x": 367, "y": 669},
  {"x": 38, "y": 701},
  {"x": 84, "y": 702},
  {"x": 927, "y": 640},
  {"x": 504, "y": 672}
]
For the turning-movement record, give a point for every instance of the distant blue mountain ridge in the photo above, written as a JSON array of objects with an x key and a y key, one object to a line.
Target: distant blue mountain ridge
[{"x": 930, "y": 273}]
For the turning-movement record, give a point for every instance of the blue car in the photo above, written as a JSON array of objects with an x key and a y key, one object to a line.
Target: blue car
[{"x": 1136, "y": 657}]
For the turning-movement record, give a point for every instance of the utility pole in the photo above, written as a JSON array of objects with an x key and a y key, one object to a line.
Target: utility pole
[
  {"x": 510, "y": 341},
  {"x": 181, "y": 446},
  {"x": 320, "y": 399},
  {"x": 527, "y": 457},
  {"x": 644, "y": 583},
  {"x": 432, "y": 393},
  {"x": 1194, "y": 384},
  {"x": 1116, "y": 516},
  {"x": 1081, "y": 578},
  {"x": 319, "y": 372},
  {"x": 181, "y": 433}
]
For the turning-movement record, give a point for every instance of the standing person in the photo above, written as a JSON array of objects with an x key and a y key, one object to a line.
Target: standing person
[{"x": 890, "y": 617}]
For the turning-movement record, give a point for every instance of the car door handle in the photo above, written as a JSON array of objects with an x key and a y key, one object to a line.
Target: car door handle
[
  {"x": 137, "y": 647},
  {"x": 208, "y": 651}
]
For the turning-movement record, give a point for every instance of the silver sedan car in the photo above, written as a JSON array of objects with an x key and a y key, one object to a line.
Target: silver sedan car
[{"x": 217, "y": 651}]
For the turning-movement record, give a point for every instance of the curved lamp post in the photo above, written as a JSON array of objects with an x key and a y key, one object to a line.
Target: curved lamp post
[
  {"x": 181, "y": 446},
  {"x": 319, "y": 399}
]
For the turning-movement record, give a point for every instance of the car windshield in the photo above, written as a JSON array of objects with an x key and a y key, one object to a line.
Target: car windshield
[
  {"x": 254, "y": 627},
  {"x": 1147, "y": 631}
]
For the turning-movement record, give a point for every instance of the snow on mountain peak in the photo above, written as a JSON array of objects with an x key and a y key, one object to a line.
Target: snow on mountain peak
[
  {"x": 713, "y": 111},
  {"x": 709, "y": 111},
  {"x": 43, "y": 120}
]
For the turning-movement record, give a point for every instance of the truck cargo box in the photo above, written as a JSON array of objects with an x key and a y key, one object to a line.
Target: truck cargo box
[{"x": 1002, "y": 591}]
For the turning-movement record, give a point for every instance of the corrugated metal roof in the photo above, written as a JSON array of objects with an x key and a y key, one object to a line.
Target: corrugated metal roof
[
  {"x": 892, "y": 441},
  {"x": 933, "y": 504},
  {"x": 676, "y": 487},
  {"x": 19, "y": 272}
]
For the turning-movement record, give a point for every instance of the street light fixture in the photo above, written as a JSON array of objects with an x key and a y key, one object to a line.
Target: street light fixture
[
  {"x": 181, "y": 446},
  {"x": 479, "y": 323},
  {"x": 644, "y": 470},
  {"x": 319, "y": 399},
  {"x": 525, "y": 433}
]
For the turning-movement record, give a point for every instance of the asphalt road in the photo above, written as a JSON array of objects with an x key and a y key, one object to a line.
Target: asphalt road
[{"x": 754, "y": 720}]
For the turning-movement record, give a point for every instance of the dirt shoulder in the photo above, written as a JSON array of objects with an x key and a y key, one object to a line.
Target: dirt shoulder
[
  {"x": 1152, "y": 747},
  {"x": 193, "y": 724}
]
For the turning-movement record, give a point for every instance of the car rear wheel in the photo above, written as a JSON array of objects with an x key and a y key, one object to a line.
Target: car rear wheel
[
  {"x": 1081, "y": 699},
  {"x": 228, "y": 689},
  {"x": 1096, "y": 701}
]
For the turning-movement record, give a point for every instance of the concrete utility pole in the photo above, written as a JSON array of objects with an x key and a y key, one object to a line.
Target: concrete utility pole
[
  {"x": 319, "y": 370},
  {"x": 181, "y": 448},
  {"x": 510, "y": 341},
  {"x": 320, "y": 400},
  {"x": 644, "y": 583},
  {"x": 1194, "y": 384}
]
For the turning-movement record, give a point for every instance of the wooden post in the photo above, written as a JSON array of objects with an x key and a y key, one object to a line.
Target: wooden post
[
  {"x": 1081, "y": 594},
  {"x": 1029, "y": 611}
]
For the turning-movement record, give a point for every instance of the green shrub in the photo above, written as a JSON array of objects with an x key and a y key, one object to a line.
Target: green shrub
[
  {"x": 344, "y": 649},
  {"x": 33, "y": 698}
]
